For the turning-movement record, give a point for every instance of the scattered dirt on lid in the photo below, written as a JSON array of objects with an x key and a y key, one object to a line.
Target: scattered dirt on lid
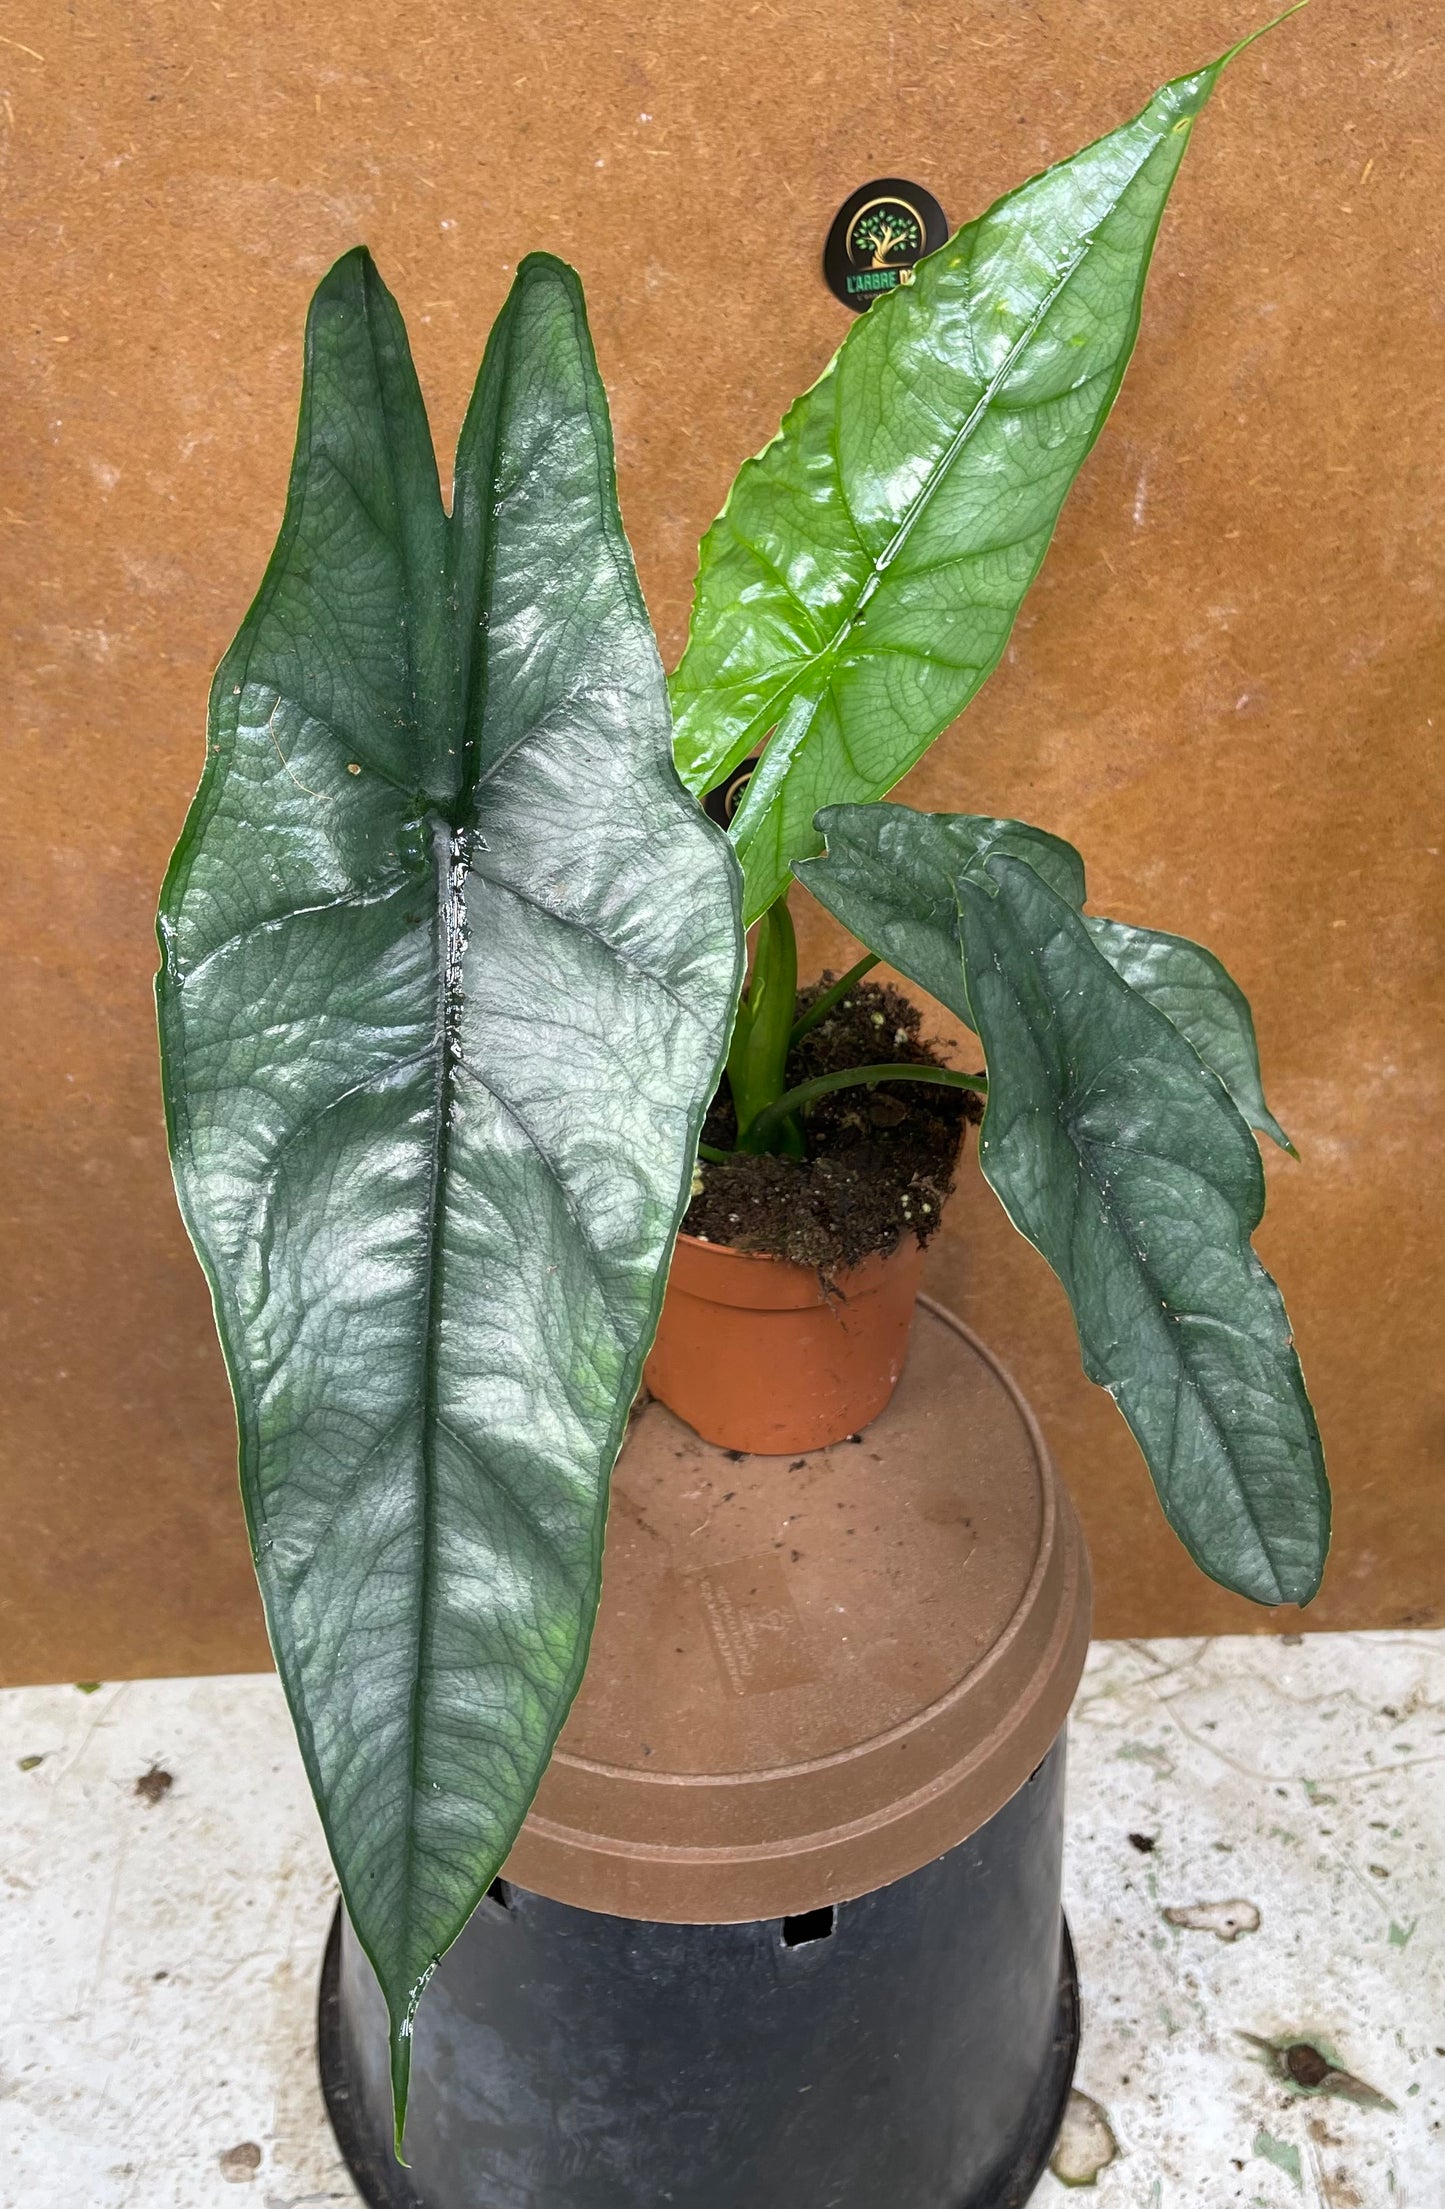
[
  {"x": 880, "y": 1161},
  {"x": 1311, "y": 2070},
  {"x": 1305, "y": 2065}
]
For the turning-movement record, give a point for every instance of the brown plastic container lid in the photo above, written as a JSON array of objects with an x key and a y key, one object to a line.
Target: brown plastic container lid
[{"x": 813, "y": 1675}]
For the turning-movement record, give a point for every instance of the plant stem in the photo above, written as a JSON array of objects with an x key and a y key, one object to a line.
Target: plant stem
[
  {"x": 832, "y": 996},
  {"x": 758, "y": 1058},
  {"x": 822, "y": 1085}
]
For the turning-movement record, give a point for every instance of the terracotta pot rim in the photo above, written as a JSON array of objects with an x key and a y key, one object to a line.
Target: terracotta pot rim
[
  {"x": 754, "y": 1257},
  {"x": 795, "y": 1265},
  {"x": 762, "y": 1283}
]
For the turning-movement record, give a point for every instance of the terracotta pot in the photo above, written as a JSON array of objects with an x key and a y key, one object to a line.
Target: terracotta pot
[{"x": 755, "y": 1354}]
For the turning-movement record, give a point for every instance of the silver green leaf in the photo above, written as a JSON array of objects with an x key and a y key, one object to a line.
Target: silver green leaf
[
  {"x": 1120, "y": 1156},
  {"x": 891, "y": 849},
  {"x": 889, "y": 876},
  {"x": 449, "y": 963},
  {"x": 1191, "y": 988},
  {"x": 862, "y": 579}
]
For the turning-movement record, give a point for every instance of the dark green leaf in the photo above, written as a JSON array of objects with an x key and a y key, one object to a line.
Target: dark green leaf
[
  {"x": 862, "y": 579},
  {"x": 874, "y": 854},
  {"x": 1119, "y": 1155},
  {"x": 889, "y": 876},
  {"x": 449, "y": 964},
  {"x": 1192, "y": 989}
]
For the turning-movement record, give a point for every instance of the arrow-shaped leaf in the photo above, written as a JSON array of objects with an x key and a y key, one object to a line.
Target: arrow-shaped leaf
[
  {"x": 861, "y": 581},
  {"x": 1120, "y": 1156},
  {"x": 449, "y": 964}
]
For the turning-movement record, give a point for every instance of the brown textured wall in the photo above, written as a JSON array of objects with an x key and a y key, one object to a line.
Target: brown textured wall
[{"x": 1224, "y": 688}]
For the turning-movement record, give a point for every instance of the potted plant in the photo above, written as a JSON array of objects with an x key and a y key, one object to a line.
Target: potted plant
[{"x": 451, "y": 979}]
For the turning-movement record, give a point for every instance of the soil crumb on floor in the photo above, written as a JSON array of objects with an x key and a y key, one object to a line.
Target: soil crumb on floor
[{"x": 880, "y": 1161}]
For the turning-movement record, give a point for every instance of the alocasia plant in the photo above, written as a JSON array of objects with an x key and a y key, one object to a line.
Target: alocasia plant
[{"x": 451, "y": 964}]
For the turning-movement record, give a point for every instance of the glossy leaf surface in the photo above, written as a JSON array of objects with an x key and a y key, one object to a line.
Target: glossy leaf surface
[
  {"x": 892, "y": 849},
  {"x": 889, "y": 876},
  {"x": 1120, "y": 1156},
  {"x": 1192, "y": 988},
  {"x": 449, "y": 965},
  {"x": 862, "y": 579}
]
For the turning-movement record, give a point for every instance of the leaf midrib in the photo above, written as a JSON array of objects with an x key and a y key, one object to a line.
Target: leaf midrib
[
  {"x": 450, "y": 824},
  {"x": 449, "y": 861}
]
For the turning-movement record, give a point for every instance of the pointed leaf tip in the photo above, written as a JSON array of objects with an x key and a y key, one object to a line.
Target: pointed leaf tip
[
  {"x": 861, "y": 582},
  {"x": 1117, "y": 1151},
  {"x": 1263, "y": 31}
]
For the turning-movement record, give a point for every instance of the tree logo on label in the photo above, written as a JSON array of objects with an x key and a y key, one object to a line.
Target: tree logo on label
[
  {"x": 877, "y": 235},
  {"x": 887, "y": 233}
]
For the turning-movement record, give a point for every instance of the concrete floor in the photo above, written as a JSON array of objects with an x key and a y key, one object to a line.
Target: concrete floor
[{"x": 1256, "y": 1883}]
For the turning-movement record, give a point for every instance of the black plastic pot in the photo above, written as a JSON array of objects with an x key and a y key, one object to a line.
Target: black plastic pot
[{"x": 912, "y": 2049}]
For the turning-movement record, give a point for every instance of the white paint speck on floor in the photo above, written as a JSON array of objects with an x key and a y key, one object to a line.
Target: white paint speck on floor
[
  {"x": 1256, "y": 1883},
  {"x": 1291, "y": 1911}
]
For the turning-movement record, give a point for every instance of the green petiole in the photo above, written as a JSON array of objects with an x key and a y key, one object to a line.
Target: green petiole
[
  {"x": 763, "y": 1031},
  {"x": 822, "y": 1085},
  {"x": 832, "y": 996}
]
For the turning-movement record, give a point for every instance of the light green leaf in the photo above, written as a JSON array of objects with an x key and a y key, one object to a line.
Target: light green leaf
[
  {"x": 1118, "y": 1153},
  {"x": 861, "y": 581},
  {"x": 449, "y": 961},
  {"x": 1191, "y": 988}
]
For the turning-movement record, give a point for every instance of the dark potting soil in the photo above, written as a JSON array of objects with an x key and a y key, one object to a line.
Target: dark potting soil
[{"x": 880, "y": 1161}]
